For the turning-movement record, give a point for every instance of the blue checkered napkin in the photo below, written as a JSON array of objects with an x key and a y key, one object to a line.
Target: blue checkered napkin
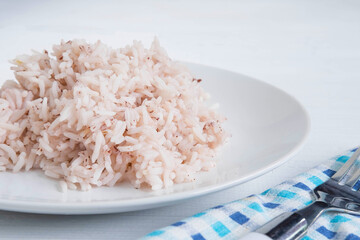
[{"x": 232, "y": 220}]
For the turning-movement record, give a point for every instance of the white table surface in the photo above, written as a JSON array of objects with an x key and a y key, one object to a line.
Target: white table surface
[{"x": 311, "y": 49}]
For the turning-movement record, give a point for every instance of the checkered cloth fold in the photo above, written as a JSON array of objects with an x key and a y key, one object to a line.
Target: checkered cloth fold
[{"x": 232, "y": 220}]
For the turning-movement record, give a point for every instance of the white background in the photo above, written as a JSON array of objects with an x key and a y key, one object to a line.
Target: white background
[{"x": 311, "y": 49}]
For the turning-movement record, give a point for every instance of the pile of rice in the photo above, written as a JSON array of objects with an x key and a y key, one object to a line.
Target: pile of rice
[{"x": 91, "y": 115}]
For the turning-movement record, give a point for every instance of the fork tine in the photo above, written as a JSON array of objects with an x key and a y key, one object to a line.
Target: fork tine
[
  {"x": 354, "y": 179},
  {"x": 341, "y": 173}
]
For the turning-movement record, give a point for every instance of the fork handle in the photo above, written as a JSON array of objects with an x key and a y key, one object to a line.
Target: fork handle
[
  {"x": 287, "y": 226},
  {"x": 284, "y": 227},
  {"x": 291, "y": 226}
]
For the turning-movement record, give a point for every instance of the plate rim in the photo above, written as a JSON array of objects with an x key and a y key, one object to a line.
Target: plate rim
[{"x": 127, "y": 205}]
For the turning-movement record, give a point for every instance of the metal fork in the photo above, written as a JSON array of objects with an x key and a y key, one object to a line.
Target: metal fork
[{"x": 339, "y": 193}]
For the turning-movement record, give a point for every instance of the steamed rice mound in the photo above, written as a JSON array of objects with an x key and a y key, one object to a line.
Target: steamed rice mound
[{"x": 91, "y": 115}]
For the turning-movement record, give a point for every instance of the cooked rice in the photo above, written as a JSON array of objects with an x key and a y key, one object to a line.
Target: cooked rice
[{"x": 91, "y": 115}]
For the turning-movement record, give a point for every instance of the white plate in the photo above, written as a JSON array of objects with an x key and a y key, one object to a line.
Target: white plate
[{"x": 267, "y": 125}]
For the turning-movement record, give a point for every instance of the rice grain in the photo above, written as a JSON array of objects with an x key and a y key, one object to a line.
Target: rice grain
[{"x": 90, "y": 115}]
